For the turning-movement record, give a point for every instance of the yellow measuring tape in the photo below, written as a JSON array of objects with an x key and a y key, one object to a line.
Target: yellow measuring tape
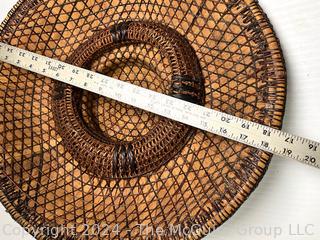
[{"x": 231, "y": 127}]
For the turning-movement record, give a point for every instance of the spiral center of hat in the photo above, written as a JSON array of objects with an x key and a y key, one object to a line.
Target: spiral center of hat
[{"x": 115, "y": 140}]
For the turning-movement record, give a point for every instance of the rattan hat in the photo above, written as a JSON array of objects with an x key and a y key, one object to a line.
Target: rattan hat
[{"x": 89, "y": 167}]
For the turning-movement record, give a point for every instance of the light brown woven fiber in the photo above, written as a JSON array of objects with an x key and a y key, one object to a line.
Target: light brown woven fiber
[{"x": 73, "y": 159}]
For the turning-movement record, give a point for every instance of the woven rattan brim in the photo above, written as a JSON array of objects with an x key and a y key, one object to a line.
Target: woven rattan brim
[{"x": 72, "y": 158}]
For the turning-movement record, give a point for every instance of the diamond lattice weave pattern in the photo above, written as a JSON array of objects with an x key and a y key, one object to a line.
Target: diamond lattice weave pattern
[{"x": 72, "y": 158}]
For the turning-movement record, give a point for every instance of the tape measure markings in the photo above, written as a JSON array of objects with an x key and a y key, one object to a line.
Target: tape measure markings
[{"x": 231, "y": 127}]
